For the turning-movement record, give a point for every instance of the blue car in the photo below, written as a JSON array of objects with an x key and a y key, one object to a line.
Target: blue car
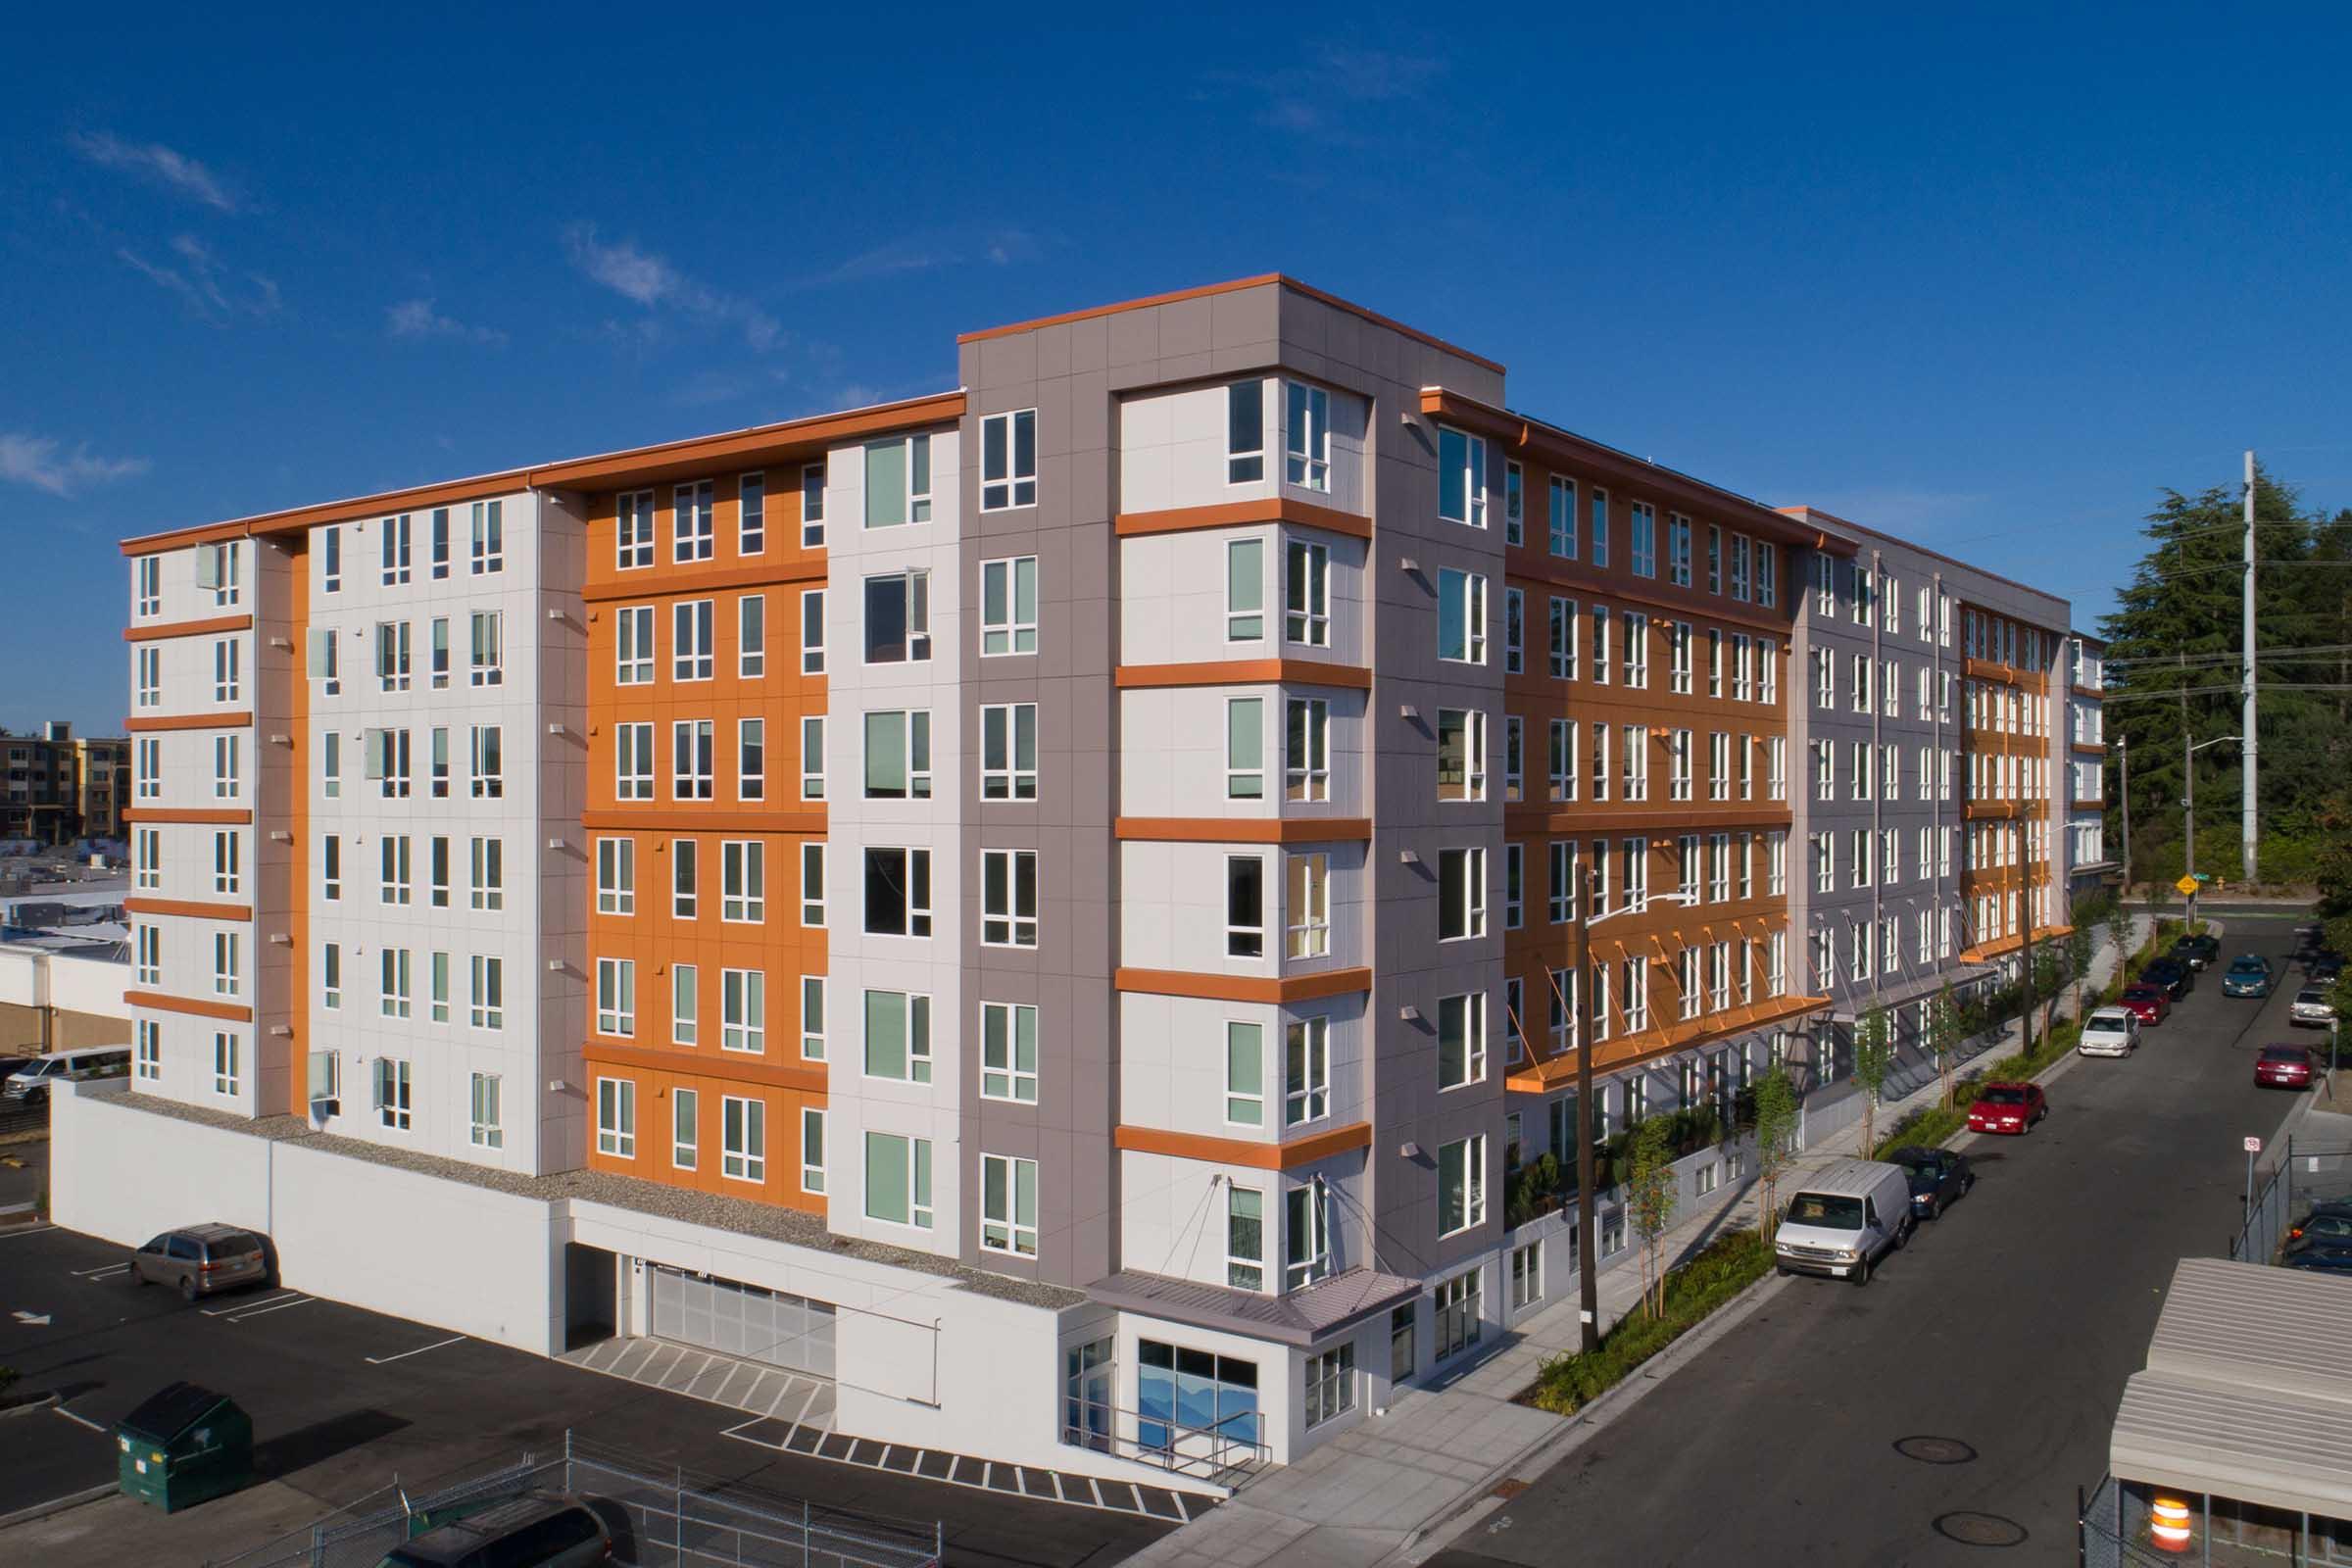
[{"x": 2249, "y": 975}]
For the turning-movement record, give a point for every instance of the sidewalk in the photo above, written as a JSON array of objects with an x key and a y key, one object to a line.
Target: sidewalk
[{"x": 1365, "y": 1495}]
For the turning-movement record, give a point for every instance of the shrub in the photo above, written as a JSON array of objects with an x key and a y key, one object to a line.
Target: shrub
[{"x": 1720, "y": 1271}]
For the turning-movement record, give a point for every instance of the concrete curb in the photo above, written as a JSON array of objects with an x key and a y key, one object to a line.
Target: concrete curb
[
  {"x": 40, "y": 1403},
  {"x": 42, "y": 1510}
]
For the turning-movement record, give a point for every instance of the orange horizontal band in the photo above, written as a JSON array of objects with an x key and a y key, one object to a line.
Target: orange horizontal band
[
  {"x": 1245, "y": 672},
  {"x": 1241, "y": 1150},
  {"x": 186, "y": 628},
  {"x": 213, "y": 816},
  {"x": 1243, "y": 987},
  {"x": 1236, "y": 513},
  {"x": 2089, "y": 748},
  {"x": 1242, "y": 829},
  {"x": 242, "y": 719},
  {"x": 2094, "y": 693},
  {"x": 195, "y": 1007},
  {"x": 655, "y": 584},
  {"x": 687, "y": 817},
  {"x": 192, "y": 909},
  {"x": 733, "y": 1067},
  {"x": 1666, "y": 818}
]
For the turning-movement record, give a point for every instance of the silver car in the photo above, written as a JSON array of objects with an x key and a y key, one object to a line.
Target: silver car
[
  {"x": 2109, "y": 1031},
  {"x": 202, "y": 1260},
  {"x": 2311, "y": 1006}
]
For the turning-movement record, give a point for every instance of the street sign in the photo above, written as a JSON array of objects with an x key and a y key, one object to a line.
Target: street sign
[
  {"x": 2186, "y": 886},
  {"x": 2253, "y": 1145}
]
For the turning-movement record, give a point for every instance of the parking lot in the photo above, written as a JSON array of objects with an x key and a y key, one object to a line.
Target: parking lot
[{"x": 343, "y": 1398}]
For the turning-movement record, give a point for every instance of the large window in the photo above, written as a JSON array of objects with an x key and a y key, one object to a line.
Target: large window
[
  {"x": 617, "y": 1117},
  {"x": 1244, "y": 1074},
  {"x": 1306, "y": 595},
  {"x": 1461, "y": 616},
  {"x": 1009, "y": 1052},
  {"x": 742, "y": 1137},
  {"x": 1245, "y": 590},
  {"x": 1245, "y": 749},
  {"x": 1008, "y": 461},
  {"x": 1245, "y": 906},
  {"x": 690, "y": 532},
  {"x": 1179, "y": 1389},
  {"x": 1307, "y": 752},
  {"x": 1306, "y": 904},
  {"x": 1306, "y": 1070},
  {"x": 898, "y": 618},
  {"x": 1008, "y": 606},
  {"x": 1461, "y": 1039},
  {"x": 1330, "y": 1384},
  {"x": 1461, "y": 754},
  {"x": 897, "y": 756},
  {"x": 1462, "y": 477},
  {"x": 1307, "y": 440},
  {"x": 898, "y": 1179},
  {"x": 897, "y": 482},
  {"x": 1461, "y": 1183},
  {"x": 897, "y": 1036},
  {"x": 1008, "y": 1205},
  {"x": 1008, "y": 751},
  {"x": 1009, "y": 898},
  {"x": 1246, "y": 432},
  {"x": 898, "y": 892},
  {"x": 1245, "y": 1237},
  {"x": 1461, "y": 893}
]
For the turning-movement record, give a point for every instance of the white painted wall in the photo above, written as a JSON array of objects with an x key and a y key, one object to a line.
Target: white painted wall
[
  {"x": 1172, "y": 1063},
  {"x": 30, "y": 977},
  {"x": 1174, "y": 915},
  {"x": 1173, "y": 448},
  {"x": 1172, "y": 602}
]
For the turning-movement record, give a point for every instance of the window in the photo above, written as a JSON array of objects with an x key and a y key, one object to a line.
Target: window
[
  {"x": 633, "y": 529},
  {"x": 1245, "y": 906},
  {"x": 1514, "y": 503},
  {"x": 1008, "y": 461},
  {"x": 633, "y": 645},
  {"x": 616, "y": 1118},
  {"x": 1306, "y": 444},
  {"x": 812, "y": 1149},
  {"x": 743, "y": 881},
  {"x": 1008, "y": 606},
  {"x": 691, "y": 534},
  {"x": 898, "y": 618},
  {"x": 392, "y": 647},
  {"x": 225, "y": 673},
  {"x": 751, "y": 513},
  {"x": 1601, "y": 761},
  {"x": 148, "y": 574},
  {"x": 489, "y": 761},
  {"x": 393, "y": 885},
  {"x": 634, "y": 762},
  {"x": 1008, "y": 751},
  {"x": 225, "y": 871},
  {"x": 1601, "y": 646},
  {"x": 439, "y": 855},
  {"x": 148, "y": 1063},
  {"x": 1306, "y": 1234},
  {"x": 1768, "y": 573},
  {"x": 813, "y": 504},
  {"x": 813, "y": 885},
  {"x": 1461, "y": 894},
  {"x": 147, "y": 859},
  {"x": 1245, "y": 590},
  {"x": 616, "y": 997},
  {"x": 1562, "y": 760},
  {"x": 489, "y": 536},
  {"x": 1461, "y": 754},
  {"x": 1462, "y": 477},
  {"x": 1245, "y": 749},
  {"x": 1514, "y": 631},
  {"x": 1245, "y": 1238},
  {"x": 1308, "y": 756},
  {"x": 751, "y": 759},
  {"x": 1461, "y": 1039},
  {"x": 1514, "y": 758},
  {"x": 1678, "y": 760},
  {"x": 751, "y": 636},
  {"x": 692, "y": 742},
  {"x": 1600, "y": 528},
  {"x": 1561, "y": 523},
  {"x": 1009, "y": 898},
  {"x": 1636, "y": 649},
  {"x": 1244, "y": 1074},
  {"x": 898, "y": 892},
  {"x": 1008, "y": 1205},
  {"x": 743, "y": 1010},
  {"x": 898, "y": 1179},
  {"x": 331, "y": 868},
  {"x": 1307, "y": 901},
  {"x": 395, "y": 533},
  {"x": 1739, "y": 558},
  {"x": 743, "y": 1139},
  {"x": 1307, "y": 1071},
  {"x": 897, "y": 756},
  {"x": 1644, "y": 537},
  {"x": 1246, "y": 432},
  {"x": 1461, "y": 1183},
  {"x": 487, "y": 665},
  {"x": 489, "y": 873},
  {"x": 813, "y": 631},
  {"x": 691, "y": 640},
  {"x": 1009, "y": 1052},
  {"x": 812, "y": 756},
  {"x": 1306, "y": 590},
  {"x": 1526, "y": 1275},
  {"x": 1678, "y": 550},
  {"x": 685, "y": 1004},
  {"x": 393, "y": 995},
  {"x": 1563, "y": 639},
  {"x": 149, "y": 970},
  {"x": 897, "y": 482},
  {"x": 226, "y": 978},
  {"x": 1461, "y": 616}
]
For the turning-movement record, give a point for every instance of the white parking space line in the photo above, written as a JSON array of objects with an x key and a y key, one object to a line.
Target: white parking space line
[
  {"x": 29, "y": 1230},
  {"x": 95, "y": 1275},
  {"x": 102, "y": 1268},
  {"x": 289, "y": 1297},
  {"x": 77, "y": 1420},
  {"x": 384, "y": 1361},
  {"x": 265, "y": 1312}
]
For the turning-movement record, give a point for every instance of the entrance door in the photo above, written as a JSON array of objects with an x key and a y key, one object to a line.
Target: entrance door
[{"x": 737, "y": 1319}]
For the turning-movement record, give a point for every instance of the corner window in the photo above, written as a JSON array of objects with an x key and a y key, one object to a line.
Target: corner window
[
  {"x": 1307, "y": 443},
  {"x": 1306, "y": 595}
]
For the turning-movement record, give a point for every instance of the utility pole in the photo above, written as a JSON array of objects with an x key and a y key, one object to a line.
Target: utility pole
[
  {"x": 1587, "y": 1202},
  {"x": 2246, "y": 681},
  {"x": 2123, "y": 752}
]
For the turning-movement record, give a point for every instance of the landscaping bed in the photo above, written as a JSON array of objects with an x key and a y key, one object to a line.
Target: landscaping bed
[{"x": 1720, "y": 1270}]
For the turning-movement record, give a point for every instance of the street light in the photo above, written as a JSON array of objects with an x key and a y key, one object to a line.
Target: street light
[
  {"x": 2189, "y": 770},
  {"x": 1588, "y": 1261}
]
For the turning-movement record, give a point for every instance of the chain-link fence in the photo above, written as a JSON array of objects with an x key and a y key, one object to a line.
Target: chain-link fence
[
  {"x": 2111, "y": 1527},
  {"x": 2303, "y": 1175},
  {"x": 675, "y": 1520}
]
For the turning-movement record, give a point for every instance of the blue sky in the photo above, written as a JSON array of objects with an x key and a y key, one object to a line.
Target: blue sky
[{"x": 1987, "y": 279}]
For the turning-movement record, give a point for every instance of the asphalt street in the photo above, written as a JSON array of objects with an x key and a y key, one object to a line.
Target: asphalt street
[
  {"x": 2006, "y": 1329},
  {"x": 341, "y": 1398}
]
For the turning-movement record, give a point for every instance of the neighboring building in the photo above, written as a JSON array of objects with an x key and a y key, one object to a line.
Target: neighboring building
[
  {"x": 58, "y": 787},
  {"x": 2093, "y": 867},
  {"x": 101, "y": 786},
  {"x": 1048, "y": 909}
]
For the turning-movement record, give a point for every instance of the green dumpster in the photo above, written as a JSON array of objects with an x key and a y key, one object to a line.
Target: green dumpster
[{"x": 184, "y": 1445}]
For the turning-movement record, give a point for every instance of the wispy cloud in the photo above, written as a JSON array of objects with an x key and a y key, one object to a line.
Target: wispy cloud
[
  {"x": 210, "y": 287},
  {"x": 40, "y": 461},
  {"x": 152, "y": 161},
  {"x": 1322, "y": 98},
  {"x": 650, "y": 281},
  {"x": 417, "y": 318},
  {"x": 928, "y": 253}
]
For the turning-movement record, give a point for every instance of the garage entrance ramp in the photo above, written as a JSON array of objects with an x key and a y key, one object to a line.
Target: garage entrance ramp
[{"x": 796, "y": 1400}]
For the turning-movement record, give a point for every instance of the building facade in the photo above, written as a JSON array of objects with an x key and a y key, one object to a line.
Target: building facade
[
  {"x": 2091, "y": 861},
  {"x": 60, "y": 786},
  {"x": 1056, "y": 911}
]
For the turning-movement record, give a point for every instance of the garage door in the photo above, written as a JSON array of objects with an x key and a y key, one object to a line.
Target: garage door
[{"x": 738, "y": 1319}]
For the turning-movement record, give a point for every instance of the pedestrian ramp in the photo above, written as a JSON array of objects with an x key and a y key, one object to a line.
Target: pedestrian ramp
[{"x": 768, "y": 1392}]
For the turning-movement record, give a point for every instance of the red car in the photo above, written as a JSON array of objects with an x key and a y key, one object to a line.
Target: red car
[
  {"x": 2150, "y": 1004},
  {"x": 2284, "y": 1067},
  {"x": 2007, "y": 1108}
]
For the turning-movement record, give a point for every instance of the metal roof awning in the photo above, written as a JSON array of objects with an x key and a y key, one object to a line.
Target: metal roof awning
[
  {"x": 1299, "y": 1318},
  {"x": 2233, "y": 1402}
]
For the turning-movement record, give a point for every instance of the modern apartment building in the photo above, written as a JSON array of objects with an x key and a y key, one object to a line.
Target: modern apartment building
[
  {"x": 58, "y": 786},
  {"x": 2086, "y": 850},
  {"x": 1050, "y": 911}
]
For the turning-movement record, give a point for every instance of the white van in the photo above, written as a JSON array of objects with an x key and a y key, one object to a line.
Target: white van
[
  {"x": 29, "y": 1084},
  {"x": 1844, "y": 1220}
]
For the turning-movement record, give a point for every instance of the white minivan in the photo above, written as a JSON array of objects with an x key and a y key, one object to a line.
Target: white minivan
[
  {"x": 29, "y": 1084},
  {"x": 1843, "y": 1219}
]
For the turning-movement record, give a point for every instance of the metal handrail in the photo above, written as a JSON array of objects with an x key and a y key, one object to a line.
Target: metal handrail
[{"x": 1208, "y": 1453}]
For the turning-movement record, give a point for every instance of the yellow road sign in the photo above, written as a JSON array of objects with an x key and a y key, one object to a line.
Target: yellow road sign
[{"x": 2188, "y": 885}]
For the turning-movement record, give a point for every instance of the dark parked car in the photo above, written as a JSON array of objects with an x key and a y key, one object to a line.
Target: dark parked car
[
  {"x": 1938, "y": 1176},
  {"x": 2198, "y": 951},
  {"x": 2322, "y": 1239},
  {"x": 2150, "y": 1004},
  {"x": 2172, "y": 974},
  {"x": 2325, "y": 966},
  {"x": 539, "y": 1530},
  {"x": 202, "y": 1260},
  {"x": 2249, "y": 975},
  {"x": 2284, "y": 1067}
]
